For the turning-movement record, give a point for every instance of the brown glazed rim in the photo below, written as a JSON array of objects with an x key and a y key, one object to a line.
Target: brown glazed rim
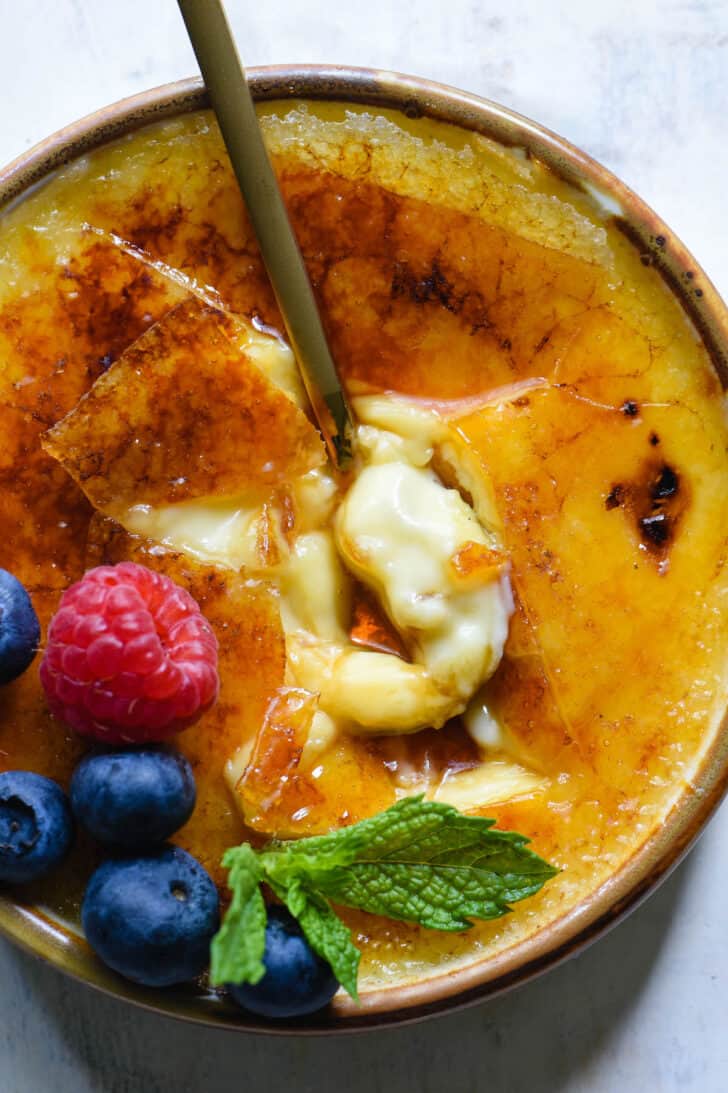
[{"x": 658, "y": 246}]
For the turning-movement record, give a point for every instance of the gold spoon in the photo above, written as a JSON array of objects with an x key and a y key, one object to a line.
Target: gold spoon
[{"x": 227, "y": 86}]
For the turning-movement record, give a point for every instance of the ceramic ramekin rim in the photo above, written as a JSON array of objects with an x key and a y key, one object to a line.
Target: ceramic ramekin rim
[{"x": 658, "y": 246}]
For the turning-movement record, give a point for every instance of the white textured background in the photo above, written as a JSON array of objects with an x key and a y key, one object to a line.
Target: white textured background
[{"x": 643, "y": 86}]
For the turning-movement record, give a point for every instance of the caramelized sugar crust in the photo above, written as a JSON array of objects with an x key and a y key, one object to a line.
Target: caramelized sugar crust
[
  {"x": 609, "y": 470},
  {"x": 68, "y": 308},
  {"x": 183, "y": 413},
  {"x": 251, "y": 662},
  {"x": 284, "y": 791}
]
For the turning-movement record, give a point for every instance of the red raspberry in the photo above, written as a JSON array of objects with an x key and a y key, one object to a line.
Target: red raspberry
[{"x": 130, "y": 658}]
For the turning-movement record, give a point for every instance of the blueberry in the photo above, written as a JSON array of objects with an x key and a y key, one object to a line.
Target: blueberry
[
  {"x": 133, "y": 797},
  {"x": 36, "y": 826},
  {"x": 152, "y": 918},
  {"x": 296, "y": 981},
  {"x": 19, "y": 628}
]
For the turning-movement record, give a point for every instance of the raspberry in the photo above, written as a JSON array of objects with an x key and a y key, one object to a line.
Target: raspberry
[{"x": 130, "y": 658}]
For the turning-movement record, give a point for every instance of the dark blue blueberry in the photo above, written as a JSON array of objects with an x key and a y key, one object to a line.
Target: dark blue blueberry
[
  {"x": 19, "y": 628},
  {"x": 152, "y": 918},
  {"x": 36, "y": 826},
  {"x": 133, "y": 797},
  {"x": 296, "y": 981}
]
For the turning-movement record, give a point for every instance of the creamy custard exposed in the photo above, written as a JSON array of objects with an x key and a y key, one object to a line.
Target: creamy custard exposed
[
  {"x": 532, "y": 405},
  {"x": 396, "y": 528},
  {"x": 400, "y": 531}
]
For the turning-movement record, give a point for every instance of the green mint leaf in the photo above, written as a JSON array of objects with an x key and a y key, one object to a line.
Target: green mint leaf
[
  {"x": 236, "y": 954},
  {"x": 317, "y": 854},
  {"x": 419, "y": 861},
  {"x": 325, "y": 932}
]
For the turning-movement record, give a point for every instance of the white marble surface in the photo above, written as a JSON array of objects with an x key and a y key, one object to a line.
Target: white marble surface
[{"x": 643, "y": 86}]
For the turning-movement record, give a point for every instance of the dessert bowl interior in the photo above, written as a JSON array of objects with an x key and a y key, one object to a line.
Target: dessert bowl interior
[{"x": 414, "y": 100}]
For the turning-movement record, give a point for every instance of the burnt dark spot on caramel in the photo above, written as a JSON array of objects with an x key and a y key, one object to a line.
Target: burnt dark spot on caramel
[
  {"x": 434, "y": 286},
  {"x": 655, "y": 529},
  {"x": 630, "y": 408},
  {"x": 666, "y": 484},
  {"x": 660, "y": 240},
  {"x": 615, "y": 497},
  {"x": 654, "y": 439},
  {"x": 655, "y": 500}
]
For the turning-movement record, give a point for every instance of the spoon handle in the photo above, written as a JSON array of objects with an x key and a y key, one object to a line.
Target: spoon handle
[{"x": 227, "y": 86}]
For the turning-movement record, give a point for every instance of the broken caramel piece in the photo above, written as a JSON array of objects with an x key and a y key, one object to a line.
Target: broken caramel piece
[
  {"x": 608, "y": 606},
  {"x": 63, "y": 321},
  {"x": 287, "y": 793},
  {"x": 370, "y": 626},
  {"x": 476, "y": 564},
  {"x": 183, "y": 413},
  {"x": 270, "y": 790}
]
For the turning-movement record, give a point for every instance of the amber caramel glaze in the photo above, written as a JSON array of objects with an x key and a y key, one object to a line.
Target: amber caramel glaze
[
  {"x": 284, "y": 794},
  {"x": 246, "y": 620},
  {"x": 225, "y": 428},
  {"x": 444, "y": 271}
]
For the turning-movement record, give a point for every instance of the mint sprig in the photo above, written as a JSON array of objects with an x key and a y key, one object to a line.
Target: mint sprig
[{"x": 418, "y": 861}]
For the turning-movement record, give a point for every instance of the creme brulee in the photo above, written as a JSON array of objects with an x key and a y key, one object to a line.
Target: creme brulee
[{"x": 514, "y": 602}]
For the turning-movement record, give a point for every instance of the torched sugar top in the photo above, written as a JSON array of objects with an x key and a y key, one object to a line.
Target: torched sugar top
[{"x": 580, "y": 403}]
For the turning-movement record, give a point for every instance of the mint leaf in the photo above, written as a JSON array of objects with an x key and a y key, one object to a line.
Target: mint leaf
[
  {"x": 325, "y": 932},
  {"x": 419, "y": 861},
  {"x": 316, "y": 855},
  {"x": 236, "y": 954}
]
